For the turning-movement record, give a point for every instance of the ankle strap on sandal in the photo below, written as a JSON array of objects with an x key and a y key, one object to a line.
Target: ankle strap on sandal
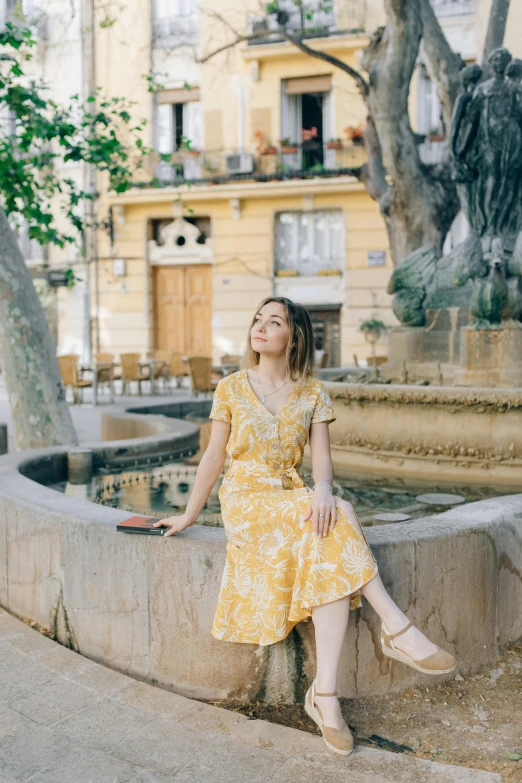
[
  {"x": 389, "y": 636},
  {"x": 326, "y": 694}
]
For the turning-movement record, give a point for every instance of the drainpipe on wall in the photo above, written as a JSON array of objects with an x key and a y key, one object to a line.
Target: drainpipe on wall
[
  {"x": 93, "y": 183},
  {"x": 241, "y": 118},
  {"x": 86, "y": 252}
]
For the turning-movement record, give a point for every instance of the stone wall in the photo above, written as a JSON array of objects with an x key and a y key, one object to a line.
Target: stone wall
[{"x": 145, "y": 605}]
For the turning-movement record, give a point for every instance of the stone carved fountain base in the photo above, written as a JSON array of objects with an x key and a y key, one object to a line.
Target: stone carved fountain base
[
  {"x": 490, "y": 357},
  {"x": 458, "y": 354}
]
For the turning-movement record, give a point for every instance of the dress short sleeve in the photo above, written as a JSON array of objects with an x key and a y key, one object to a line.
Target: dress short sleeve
[
  {"x": 221, "y": 409},
  {"x": 323, "y": 409}
]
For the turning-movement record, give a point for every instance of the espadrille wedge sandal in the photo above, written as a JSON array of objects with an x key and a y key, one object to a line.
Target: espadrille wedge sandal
[
  {"x": 338, "y": 740},
  {"x": 439, "y": 662}
]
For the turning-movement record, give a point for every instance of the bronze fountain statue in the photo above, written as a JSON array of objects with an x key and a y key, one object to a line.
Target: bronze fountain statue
[{"x": 485, "y": 145}]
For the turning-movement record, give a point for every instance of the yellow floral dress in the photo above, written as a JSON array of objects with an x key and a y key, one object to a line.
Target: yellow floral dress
[{"x": 276, "y": 567}]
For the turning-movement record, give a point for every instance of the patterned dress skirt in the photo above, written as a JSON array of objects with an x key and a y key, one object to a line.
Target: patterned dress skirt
[{"x": 277, "y": 568}]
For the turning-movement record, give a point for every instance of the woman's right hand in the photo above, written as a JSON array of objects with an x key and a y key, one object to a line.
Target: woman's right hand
[{"x": 175, "y": 524}]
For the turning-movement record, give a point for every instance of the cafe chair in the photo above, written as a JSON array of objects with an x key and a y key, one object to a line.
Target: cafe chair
[
  {"x": 131, "y": 371},
  {"x": 68, "y": 364},
  {"x": 200, "y": 368},
  {"x": 177, "y": 368},
  {"x": 103, "y": 374},
  {"x": 162, "y": 365}
]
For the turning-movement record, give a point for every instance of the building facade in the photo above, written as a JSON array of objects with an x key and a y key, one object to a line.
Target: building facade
[{"x": 252, "y": 192}]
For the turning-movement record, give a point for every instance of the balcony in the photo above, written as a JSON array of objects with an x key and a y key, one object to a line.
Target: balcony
[
  {"x": 300, "y": 161},
  {"x": 173, "y": 31},
  {"x": 445, "y": 8},
  {"x": 340, "y": 17}
]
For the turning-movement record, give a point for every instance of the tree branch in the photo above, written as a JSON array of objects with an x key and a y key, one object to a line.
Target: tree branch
[
  {"x": 361, "y": 82},
  {"x": 390, "y": 60},
  {"x": 375, "y": 174},
  {"x": 297, "y": 41},
  {"x": 496, "y": 30}
]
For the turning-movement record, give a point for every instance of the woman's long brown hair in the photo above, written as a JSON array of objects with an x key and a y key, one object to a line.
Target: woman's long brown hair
[{"x": 300, "y": 357}]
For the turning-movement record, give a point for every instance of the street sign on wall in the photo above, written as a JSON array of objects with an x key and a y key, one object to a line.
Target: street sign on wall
[
  {"x": 58, "y": 277},
  {"x": 376, "y": 257}
]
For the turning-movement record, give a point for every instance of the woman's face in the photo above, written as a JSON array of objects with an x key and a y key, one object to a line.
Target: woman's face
[{"x": 270, "y": 332}]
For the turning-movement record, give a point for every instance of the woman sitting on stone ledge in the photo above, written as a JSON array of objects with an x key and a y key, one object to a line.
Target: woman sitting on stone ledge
[{"x": 292, "y": 552}]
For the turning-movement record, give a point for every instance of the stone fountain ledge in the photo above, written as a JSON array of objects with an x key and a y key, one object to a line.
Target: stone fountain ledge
[
  {"x": 144, "y": 606},
  {"x": 427, "y": 395},
  {"x": 456, "y": 435}
]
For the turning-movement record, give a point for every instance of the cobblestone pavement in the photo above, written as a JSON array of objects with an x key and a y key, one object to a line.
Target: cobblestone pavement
[{"x": 66, "y": 719}]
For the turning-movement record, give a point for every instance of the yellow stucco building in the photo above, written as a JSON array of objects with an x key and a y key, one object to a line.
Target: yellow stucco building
[{"x": 263, "y": 202}]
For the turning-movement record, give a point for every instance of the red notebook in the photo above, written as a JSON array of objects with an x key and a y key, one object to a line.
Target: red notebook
[{"x": 139, "y": 524}]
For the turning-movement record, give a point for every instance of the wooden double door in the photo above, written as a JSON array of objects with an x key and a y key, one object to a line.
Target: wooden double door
[{"x": 183, "y": 309}]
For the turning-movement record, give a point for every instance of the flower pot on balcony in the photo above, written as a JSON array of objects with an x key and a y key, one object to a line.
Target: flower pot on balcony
[
  {"x": 334, "y": 145},
  {"x": 329, "y": 272},
  {"x": 358, "y": 141},
  {"x": 269, "y": 151},
  {"x": 436, "y": 137},
  {"x": 289, "y": 149},
  {"x": 286, "y": 273},
  {"x": 193, "y": 153}
]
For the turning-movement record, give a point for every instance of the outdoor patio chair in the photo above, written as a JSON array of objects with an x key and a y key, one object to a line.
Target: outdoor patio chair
[
  {"x": 177, "y": 368},
  {"x": 131, "y": 371},
  {"x": 102, "y": 373},
  {"x": 162, "y": 360},
  {"x": 201, "y": 374},
  {"x": 68, "y": 364}
]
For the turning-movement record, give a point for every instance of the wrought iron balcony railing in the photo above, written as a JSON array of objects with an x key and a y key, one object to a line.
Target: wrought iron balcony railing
[
  {"x": 305, "y": 160},
  {"x": 173, "y": 31},
  {"x": 320, "y": 20},
  {"x": 454, "y": 7}
]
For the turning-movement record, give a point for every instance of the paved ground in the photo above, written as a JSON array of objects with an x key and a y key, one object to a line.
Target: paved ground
[
  {"x": 87, "y": 418},
  {"x": 66, "y": 719}
]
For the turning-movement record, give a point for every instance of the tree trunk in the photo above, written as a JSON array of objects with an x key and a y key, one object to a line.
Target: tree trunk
[
  {"x": 420, "y": 205},
  {"x": 28, "y": 355},
  {"x": 496, "y": 30}
]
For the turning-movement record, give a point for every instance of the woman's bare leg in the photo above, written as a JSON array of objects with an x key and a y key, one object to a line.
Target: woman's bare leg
[
  {"x": 330, "y": 624},
  {"x": 413, "y": 642}
]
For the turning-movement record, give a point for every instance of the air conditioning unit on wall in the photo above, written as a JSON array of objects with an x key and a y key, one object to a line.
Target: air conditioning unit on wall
[{"x": 240, "y": 163}]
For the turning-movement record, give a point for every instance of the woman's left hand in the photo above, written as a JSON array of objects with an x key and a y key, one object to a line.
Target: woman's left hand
[{"x": 323, "y": 510}]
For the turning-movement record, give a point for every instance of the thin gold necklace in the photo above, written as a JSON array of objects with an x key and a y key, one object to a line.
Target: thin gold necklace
[{"x": 263, "y": 398}]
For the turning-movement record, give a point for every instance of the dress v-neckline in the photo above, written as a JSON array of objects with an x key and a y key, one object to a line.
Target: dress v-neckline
[{"x": 296, "y": 388}]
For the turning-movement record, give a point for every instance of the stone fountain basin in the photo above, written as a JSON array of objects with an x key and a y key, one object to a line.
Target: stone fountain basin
[
  {"x": 145, "y": 605},
  {"x": 458, "y": 434}
]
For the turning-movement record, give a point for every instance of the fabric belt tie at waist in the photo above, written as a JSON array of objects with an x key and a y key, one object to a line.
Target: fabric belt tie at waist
[{"x": 291, "y": 479}]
